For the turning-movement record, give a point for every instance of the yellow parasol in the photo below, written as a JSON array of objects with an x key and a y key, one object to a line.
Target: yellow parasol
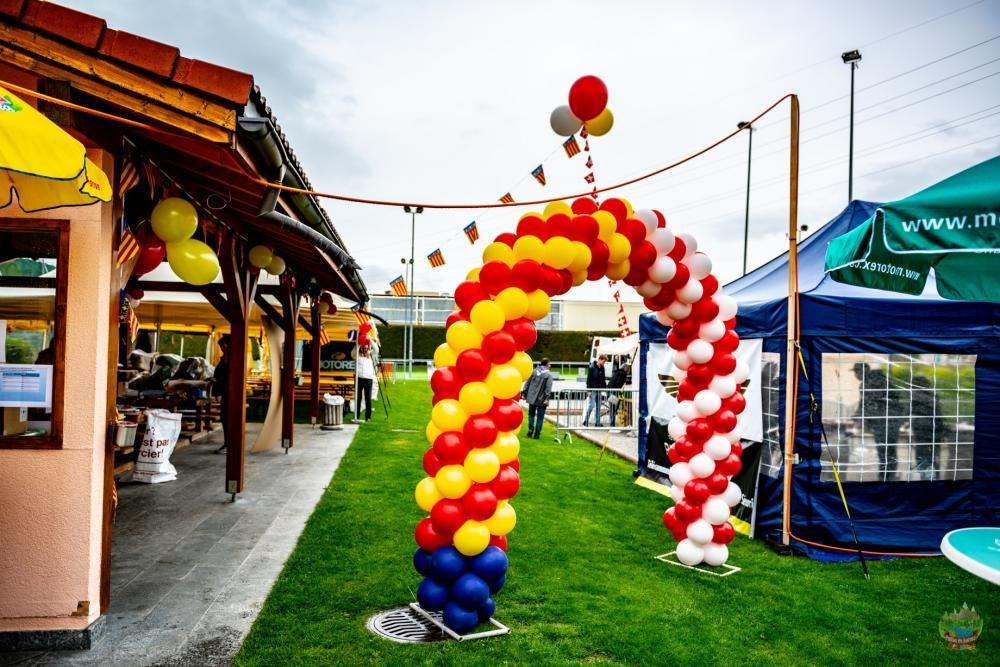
[{"x": 46, "y": 166}]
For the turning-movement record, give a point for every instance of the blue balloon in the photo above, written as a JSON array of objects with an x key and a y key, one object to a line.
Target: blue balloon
[
  {"x": 460, "y": 619},
  {"x": 496, "y": 585},
  {"x": 448, "y": 564},
  {"x": 487, "y": 609},
  {"x": 491, "y": 564},
  {"x": 470, "y": 591},
  {"x": 432, "y": 595},
  {"x": 422, "y": 562}
]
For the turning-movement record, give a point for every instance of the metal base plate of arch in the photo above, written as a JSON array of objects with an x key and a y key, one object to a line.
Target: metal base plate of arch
[
  {"x": 670, "y": 558},
  {"x": 436, "y": 618}
]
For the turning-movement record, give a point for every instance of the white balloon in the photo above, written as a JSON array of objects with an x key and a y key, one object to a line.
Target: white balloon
[
  {"x": 678, "y": 310},
  {"x": 689, "y": 553},
  {"x": 678, "y": 373},
  {"x": 718, "y": 447},
  {"x": 676, "y": 428},
  {"x": 727, "y": 306},
  {"x": 742, "y": 371},
  {"x": 662, "y": 239},
  {"x": 715, "y": 554},
  {"x": 707, "y": 402},
  {"x": 691, "y": 292},
  {"x": 702, "y": 465},
  {"x": 686, "y": 411},
  {"x": 663, "y": 318},
  {"x": 700, "y": 532},
  {"x": 700, "y": 351},
  {"x": 681, "y": 360},
  {"x": 564, "y": 122},
  {"x": 690, "y": 244},
  {"x": 724, "y": 386},
  {"x": 733, "y": 436},
  {"x": 662, "y": 270},
  {"x": 680, "y": 474},
  {"x": 647, "y": 218},
  {"x": 732, "y": 495},
  {"x": 712, "y": 331},
  {"x": 715, "y": 511},
  {"x": 677, "y": 493},
  {"x": 700, "y": 265},
  {"x": 648, "y": 288}
]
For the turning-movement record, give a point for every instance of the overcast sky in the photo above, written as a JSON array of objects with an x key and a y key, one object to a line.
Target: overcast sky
[{"x": 446, "y": 101}]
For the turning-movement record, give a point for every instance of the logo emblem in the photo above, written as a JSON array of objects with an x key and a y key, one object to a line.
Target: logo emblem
[{"x": 961, "y": 629}]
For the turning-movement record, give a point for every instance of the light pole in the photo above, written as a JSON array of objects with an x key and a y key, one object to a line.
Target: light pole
[
  {"x": 413, "y": 211},
  {"x": 851, "y": 58},
  {"x": 746, "y": 220}
]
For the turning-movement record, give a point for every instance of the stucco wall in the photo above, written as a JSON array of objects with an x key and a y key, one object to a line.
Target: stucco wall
[{"x": 51, "y": 500}]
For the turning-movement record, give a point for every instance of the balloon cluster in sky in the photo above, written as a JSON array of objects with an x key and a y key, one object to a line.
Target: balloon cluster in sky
[
  {"x": 472, "y": 466},
  {"x": 588, "y": 108}
]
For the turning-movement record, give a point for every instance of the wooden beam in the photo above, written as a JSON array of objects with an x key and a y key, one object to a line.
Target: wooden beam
[
  {"x": 217, "y": 301},
  {"x": 314, "y": 373},
  {"x": 290, "y": 301},
  {"x": 307, "y": 326},
  {"x": 165, "y": 286},
  {"x": 270, "y": 311}
]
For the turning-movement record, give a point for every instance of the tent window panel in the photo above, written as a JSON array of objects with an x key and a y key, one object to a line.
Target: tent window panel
[
  {"x": 899, "y": 417},
  {"x": 771, "y": 453}
]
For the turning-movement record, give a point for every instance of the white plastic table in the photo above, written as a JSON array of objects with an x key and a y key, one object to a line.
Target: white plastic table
[{"x": 976, "y": 550}]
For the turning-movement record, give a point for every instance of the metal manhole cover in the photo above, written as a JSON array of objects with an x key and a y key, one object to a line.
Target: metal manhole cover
[{"x": 405, "y": 626}]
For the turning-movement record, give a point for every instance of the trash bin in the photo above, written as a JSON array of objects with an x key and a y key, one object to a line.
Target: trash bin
[{"x": 333, "y": 412}]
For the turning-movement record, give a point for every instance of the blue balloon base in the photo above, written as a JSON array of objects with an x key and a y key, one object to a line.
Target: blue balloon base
[{"x": 437, "y": 618}]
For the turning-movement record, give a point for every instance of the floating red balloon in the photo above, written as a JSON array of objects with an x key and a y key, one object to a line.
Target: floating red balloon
[
  {"x": 151, "y": 256},
  {"x": 588, "y": 96}
]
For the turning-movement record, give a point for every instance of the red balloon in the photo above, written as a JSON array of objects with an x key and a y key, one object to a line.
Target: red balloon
[
  {"x": 664, "y": 297},
  {"x": 650, "y": 304},
  {"x": 507, "y": 483},
  {"x": 723, "y": 363},
  {"x": 728, "y": 343},
  {"x": 445, "y": 379},
  {"x": 673, "y": 455},
  {"x": 479, "y": 431},
  {"x": 676, "y": 341},
  {"x": 599, "y": 254},
  {"x": 636, "y": 275},
  {"x": 670, "y": 520},
  {"x": 724, "y": 421},
  {"x": 431, "y": 462},
  {"x": 549, "y": 280},
  {"x": 524, "y": 333},
  {"x": 730, "y": 323},
  {"x": 507, "y": 415},
  {"x": 527, "y": 274},
  {"x": 635, "y": 232},
  {"x": 495, "y": 277},
  {"x": 456, "y": 316},
  {"x": 643, "y": 255},
  {"x": 737, "y": 448},
  {"x": 686, "y": 328},
  {"x": 583, "y": 206},
  {"x": 717, "y": 482},
  {"x": 150, "y": 256},
  {"x": 723, "y": 533},
  {"x": 678, "y": 251},
  {"x": 699, "y": 430},
  {"x": 499, "y": 541},
  {"x": 700, "y": 374},
  {"x": 428, "y": 537},
  {"x": 686, "y": 391},
  {"x": 680, "y": 534},
  {"x": 729, "y": 466},
  {"x": 558, "y": 225},
  {"x": 686, "y": 448},
  {"x": 584, "y": 228},
  {"x": 472, "y": 365},
  {"x": 588, "y": 96},
  {"x": 515, "y": 464},
  {"x": 681, "y": 277},
  {"x": 567, "y": 281},
  {"x": 661, "y": 220},
  {"x": 447, "y": 515},
  {"x": 479, "y": 502},
  {"x": 135, "y": 291},
  {"x": 450, "y": 448},
  {"x": 705, "y": 310},
  {"x": 532, "y": 225},
  {"x": 499, "y": 347},
  {"x": 617, "y": 208},
  {"x": 736, "y": 403},
  {"x": 507, "y": 238},
  {"x": 468, "y": 294},
  {"x": 697, "y": 490},
  {"x": 687, "y": 511},
  {"x": 709, "y": 285},
  {"x": 437, "y": 398}
]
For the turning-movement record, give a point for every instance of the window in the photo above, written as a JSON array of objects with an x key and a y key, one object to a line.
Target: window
[
  {"x": 772, "y": 453},
  {"x": 899, "y": 417},
  {"x": 33, "y": 272}
]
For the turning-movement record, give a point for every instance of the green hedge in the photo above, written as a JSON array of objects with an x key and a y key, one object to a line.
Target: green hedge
[{"x": 556, "y": 345}]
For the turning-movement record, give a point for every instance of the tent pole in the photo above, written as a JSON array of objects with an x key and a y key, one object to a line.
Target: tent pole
[{"x": 793, "y": 317}]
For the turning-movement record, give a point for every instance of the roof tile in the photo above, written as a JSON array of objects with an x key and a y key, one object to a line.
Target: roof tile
[
  {"x": 11, "y": 7},
  {"x": 140, "y": 51},
  {"x": 64, "y": 22},
  {"x": 222, "y": 82}
]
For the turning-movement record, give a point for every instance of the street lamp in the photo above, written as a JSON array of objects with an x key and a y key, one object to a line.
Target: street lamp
[
  {"x": 746, "y": 220},
  {"x": 851, "y": 58},
  {"x": 413, "y": 211}
]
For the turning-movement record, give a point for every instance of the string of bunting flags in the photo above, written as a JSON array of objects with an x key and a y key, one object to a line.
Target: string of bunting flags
[{"x": 624, "y": 330}]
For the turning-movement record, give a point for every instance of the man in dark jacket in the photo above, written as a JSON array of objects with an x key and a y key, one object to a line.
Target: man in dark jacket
[
  {"x": 220, "y": 386},
  {"x": 537, "y": 393},
  {"x": 595, "y": 381}
]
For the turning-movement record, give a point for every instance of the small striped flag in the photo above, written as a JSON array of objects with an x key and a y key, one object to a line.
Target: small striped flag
[
  {"x": 398, "y": 286},
  {"x": 128, "y": 248},
  {"x": 436, "y": 258},
  {"x": 360, "y": 316},
  {"x": 507, "y": 199},
  {"x": 129, "y": 178},
  {"x": 571, "y": 146},
  {"x": 471, "y": 232},
  {"x": 324, "y": 338},
  {"x": 539, "y": 174},
  {"x": 127, "y": 315}
]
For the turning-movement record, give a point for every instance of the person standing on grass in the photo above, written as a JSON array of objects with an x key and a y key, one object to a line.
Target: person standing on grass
[
  {"x": 537, "y": 393},
  {"x": 366, "y": 375},
  {"x": 220, "y": 386},
  {"x": 596, "y": 382}
]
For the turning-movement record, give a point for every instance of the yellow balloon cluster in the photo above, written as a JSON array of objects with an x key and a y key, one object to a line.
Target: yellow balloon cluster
[{"x": 174, "y": 220}]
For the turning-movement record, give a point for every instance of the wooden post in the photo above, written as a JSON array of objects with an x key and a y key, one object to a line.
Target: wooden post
[
  {"x": 290, "y": 301},
  {"x": 314, "y": 376},
  {"x": 791, "y": 361}
]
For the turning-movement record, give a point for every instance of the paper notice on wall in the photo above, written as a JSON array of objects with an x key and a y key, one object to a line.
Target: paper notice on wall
[
  {"x": 25, "y": 386},
  {"x": 3, "y": 341},
  {"x": 153, "y": 466}
]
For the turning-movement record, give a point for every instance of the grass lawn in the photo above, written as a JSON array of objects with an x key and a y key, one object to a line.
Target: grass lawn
[{"x": 583, "y": 585}]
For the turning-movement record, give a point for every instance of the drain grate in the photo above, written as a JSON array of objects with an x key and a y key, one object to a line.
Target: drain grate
[{"x": 406, "y": 626}]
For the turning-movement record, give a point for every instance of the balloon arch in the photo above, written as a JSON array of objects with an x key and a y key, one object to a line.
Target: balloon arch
[{"x": 472, "y": 466}]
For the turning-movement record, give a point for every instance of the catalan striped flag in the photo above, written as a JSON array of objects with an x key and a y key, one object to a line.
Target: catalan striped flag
[
  {"x": 398, "y": 286},
  {"x": 539, "y": 174},
  {"x": 436, "y": 258},
  {"x": 471, "y": 232},
  {"x": 129, "y": 177},
  {"x": 324, "y": 337},
  {"x": 128, "y": 247},
  {"x": 359, "y": 315},
  {"x": 507, "y": 199},
  {"x": 571, "y": 147},
  {"x": 126, "y": 314}
]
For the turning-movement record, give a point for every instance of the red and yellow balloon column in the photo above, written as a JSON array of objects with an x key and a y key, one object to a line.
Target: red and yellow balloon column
[{"x": 472, "y": 465}]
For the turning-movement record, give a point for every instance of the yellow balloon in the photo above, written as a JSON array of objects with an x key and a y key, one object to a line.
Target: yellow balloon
[
  {"x": 503, "y": 381},
  {"x": 448, "y": 415},
  {"x": 559, "y": 252},
  {"x": 554, "y": 207},
  {"x": 602, "y": 124},
  {"x": 529, "y": 247},
  {"x": 427, "y": 494},
  {"x": 506, "y": 447},
  {"x": 514, "y": 302},
  {"x": 444, "y": 356},
  {"x": 523, "y": 364},
  {"x": 475, "y": 398},
  {"x": 619, "y": 247},
  {"x": 452, "y": 481},
  {"x": 174, "y": 219},
  {"x": 579, "y": 277},
  {"x": 276, "y": 266},
  {"x": 462, "y": 336},
  {"x": 498, "y": 252},
  {"x": 606, "y": 224},
  {"x": 538, "y": 305},
  {"x": 481, "y": 465},
  {"x": 193, "y": 261},
  {"x": 503, "y": 520},
  {"x": 260, "y": 256},
  {"x": 581, "y": 257},
  {"x": 432, "y": 432},
  {"x": 472, "y": 538},
  {"x": 628, "y": 207},
  {"x": 618, "y": 271},
  {"x": 487, "y": 317},
  {"x": 473, "y": 274}
]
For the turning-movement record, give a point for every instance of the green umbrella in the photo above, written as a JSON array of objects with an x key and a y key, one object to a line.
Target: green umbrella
[{"x": 952, "y": 227}]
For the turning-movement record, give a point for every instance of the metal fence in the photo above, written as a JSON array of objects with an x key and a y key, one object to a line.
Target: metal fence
[{"x": 594, "y": 410}]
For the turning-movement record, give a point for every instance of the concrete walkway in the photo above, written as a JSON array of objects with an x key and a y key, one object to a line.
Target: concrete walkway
[{"x": 190, "y": 570}]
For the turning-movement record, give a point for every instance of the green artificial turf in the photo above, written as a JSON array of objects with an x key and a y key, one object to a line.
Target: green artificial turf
[{"x": 583, "y": 586}]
